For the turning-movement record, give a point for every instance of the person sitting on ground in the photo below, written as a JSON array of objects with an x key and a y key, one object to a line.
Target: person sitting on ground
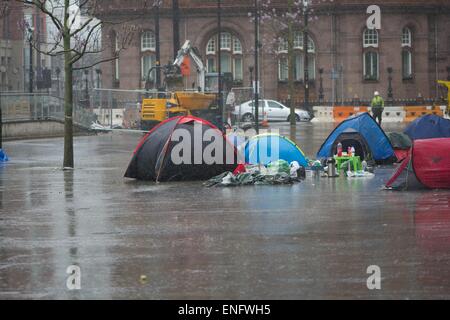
[{"x": 377, "y": 107}]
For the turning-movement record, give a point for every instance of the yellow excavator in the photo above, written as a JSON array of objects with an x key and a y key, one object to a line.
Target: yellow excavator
[
  {"x": 447, "y": 85},
  {"x": 159, "y": 106}
]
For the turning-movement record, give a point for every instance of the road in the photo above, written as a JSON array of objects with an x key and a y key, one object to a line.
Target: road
[{"x": 312, "y": 240}]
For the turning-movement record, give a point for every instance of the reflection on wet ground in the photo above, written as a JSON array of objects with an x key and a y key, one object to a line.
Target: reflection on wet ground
[{"x": 311, "y": 240}]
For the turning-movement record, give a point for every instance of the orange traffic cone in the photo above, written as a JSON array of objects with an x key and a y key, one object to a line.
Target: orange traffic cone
[{"x": 265, "y": 122}]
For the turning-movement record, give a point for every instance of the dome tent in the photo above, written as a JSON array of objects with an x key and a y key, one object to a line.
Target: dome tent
[
  {"x": 158, "y": 155},
  {"x": 364, "y": 134},
  {"x": 267, "y": 148},
  {"x": 427, "y": 165},
  {"x": 429, "y": 127}
]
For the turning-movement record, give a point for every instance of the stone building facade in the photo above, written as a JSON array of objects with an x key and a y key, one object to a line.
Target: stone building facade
[
  {"x": 11, "y": 48},
  {"x": 350, "y": 60}
]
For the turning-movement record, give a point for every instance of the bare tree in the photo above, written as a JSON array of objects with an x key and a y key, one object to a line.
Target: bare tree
[
  {"x": 286, "y": 23},
  {"x": 74, "y": 40}
]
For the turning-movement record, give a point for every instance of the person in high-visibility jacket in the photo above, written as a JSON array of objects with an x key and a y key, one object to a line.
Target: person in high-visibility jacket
[{"x": 377, "y": 105}]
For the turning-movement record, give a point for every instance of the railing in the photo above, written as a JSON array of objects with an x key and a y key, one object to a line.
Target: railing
[{"x": 37, "y": 106}]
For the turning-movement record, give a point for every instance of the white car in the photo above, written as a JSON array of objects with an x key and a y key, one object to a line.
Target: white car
[{"x": 274, "y": 109}]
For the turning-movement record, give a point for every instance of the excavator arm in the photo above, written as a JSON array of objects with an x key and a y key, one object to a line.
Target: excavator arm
[
  {"x": 447, "y": 85},
  {"x": 188, "y": 50}
]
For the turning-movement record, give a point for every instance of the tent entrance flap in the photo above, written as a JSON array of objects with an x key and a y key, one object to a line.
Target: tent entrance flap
[{"x": 354, "y": 140}]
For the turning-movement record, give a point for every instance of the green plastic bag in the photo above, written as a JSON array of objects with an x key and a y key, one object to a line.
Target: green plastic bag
[{"x": 278, "y": 167}]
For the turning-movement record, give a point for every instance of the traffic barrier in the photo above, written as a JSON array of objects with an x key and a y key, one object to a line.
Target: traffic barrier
[
  {"x": 323, "y": 114},
  {"x": 392, "y": 114},
  {"x": 342, "y": 113},
  {"x": 412, "y": 113}
]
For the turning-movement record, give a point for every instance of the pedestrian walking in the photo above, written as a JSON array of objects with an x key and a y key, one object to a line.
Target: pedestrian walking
[{"x": 377, "y": 105}]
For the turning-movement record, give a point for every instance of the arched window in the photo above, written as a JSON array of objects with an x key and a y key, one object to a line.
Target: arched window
[
  {"x": 298, "y": 64},
  {"x": 148, "y": 58},
  {"x": 371, "y": 66},
  {"x": 407, "y": 54},
  {"x": 406, "y": 37},
  {"x": 231, "y": 55},
  {"x": 370, "y": 38}
]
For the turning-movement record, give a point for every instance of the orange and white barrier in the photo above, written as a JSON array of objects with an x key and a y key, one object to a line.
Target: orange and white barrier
[{"x": 338, "y": 114}]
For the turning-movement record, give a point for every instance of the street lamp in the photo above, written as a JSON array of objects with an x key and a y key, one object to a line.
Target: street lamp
[
  {"x": 305, "y": 52},
  {"x": 321, "y": 96},
  {"x": 219, "y": 60},
  {"x": 86, "y": 94},
  {"x": 158, "y": 45},
  {"x": 256, "y": 89},
  {"x": 390, "y": 90},
  {"x": 31, "y": 72}
]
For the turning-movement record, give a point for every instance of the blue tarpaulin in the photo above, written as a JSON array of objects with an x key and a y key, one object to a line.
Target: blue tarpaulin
[
  {"x": 429, "y": 127},
  {"x": 364, "y": 125}
]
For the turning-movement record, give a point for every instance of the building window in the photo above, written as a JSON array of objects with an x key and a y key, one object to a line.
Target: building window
[
  {"x": 371, "y": 66},
  {"x": 283, "y": 68},
  {"x": 298, "y": 41},
  {"x": 283, "y": 46},
  {"x": 148, "y": 61},
  {"x": 211, "y": 47},
  {"x": 370, "y": 38},
  {"x": 407, "y": 54},
  {"x": 148, "y": 42},
  {"x": 406, "y": 37},
  {"x": 407, "y": 65},
  {"x": 231, "y": 55},
  {"x": 225, "y": 41},
  {"x": 298, "y": 66}
]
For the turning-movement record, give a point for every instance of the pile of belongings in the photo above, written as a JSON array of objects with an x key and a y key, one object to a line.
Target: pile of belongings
[{"x": 276, "y": 173}]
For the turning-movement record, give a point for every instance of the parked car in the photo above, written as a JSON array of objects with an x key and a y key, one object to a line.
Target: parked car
[{"x": 276, "y": 111}]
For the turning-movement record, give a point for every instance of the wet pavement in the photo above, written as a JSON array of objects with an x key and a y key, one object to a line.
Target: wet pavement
[{"x": 311, "y": 240}]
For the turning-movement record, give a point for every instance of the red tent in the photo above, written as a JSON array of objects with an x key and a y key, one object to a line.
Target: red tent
[{"x": 427, "y": 165}]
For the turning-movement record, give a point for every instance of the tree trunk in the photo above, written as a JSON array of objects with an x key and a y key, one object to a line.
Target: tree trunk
[{"x": 68, "y": 106}]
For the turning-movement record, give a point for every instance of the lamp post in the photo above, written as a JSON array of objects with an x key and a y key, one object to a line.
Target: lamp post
[
  {"x": 321, "y": 96},
  {"x": 176, "y": 27},
  {"x": 448, "y": 73},
  {"x": 305, "y": 52},
  {"x": 256, "y": 86},
  {"x": 390, "y": 91},
  {"x": 31, "y": 71},
  {"x": 86, "y": 93},
  {"x": 158, "y": 45},
  {"x": 219, "y": 60}
]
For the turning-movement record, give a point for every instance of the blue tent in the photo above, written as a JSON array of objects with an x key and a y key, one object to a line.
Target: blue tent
[
  {"x": 362, "y": 133},
  {"x": 267, "y": 148},
  {"x": 3, "y": 156},
  {"x": 429, "y": 127}
]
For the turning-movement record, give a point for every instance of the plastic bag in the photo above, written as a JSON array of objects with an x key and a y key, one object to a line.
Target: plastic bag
[{"x": 279, "y": 166}]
